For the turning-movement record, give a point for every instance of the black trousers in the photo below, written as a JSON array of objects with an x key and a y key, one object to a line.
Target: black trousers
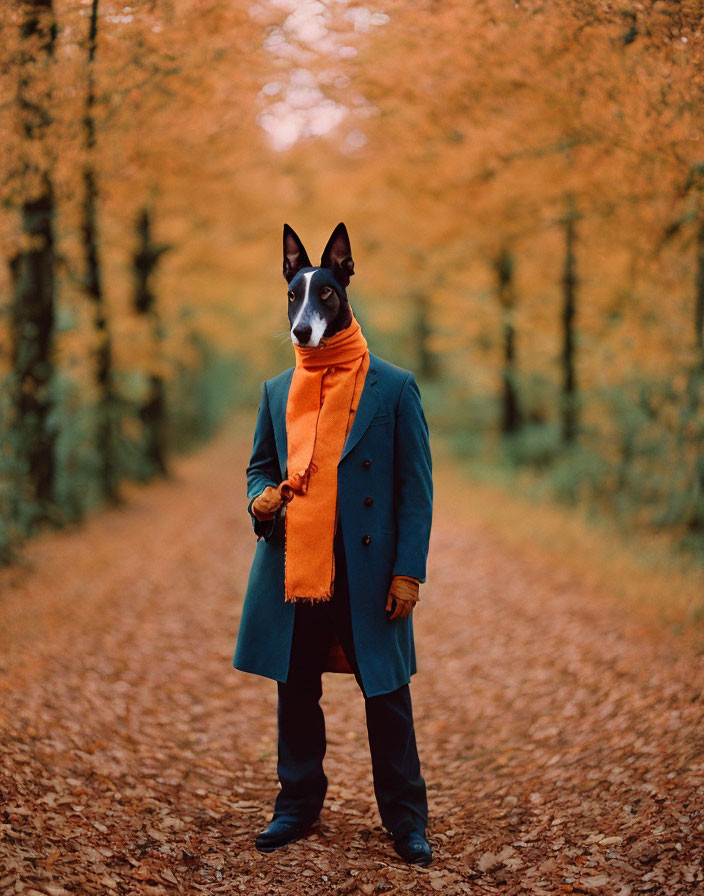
[{"x": 398, "y": 784}]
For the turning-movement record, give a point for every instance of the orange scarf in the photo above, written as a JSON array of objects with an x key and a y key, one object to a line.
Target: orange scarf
[{"x": 325, "y": 390}]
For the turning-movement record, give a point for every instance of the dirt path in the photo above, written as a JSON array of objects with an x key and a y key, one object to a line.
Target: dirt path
[{"x": 561, "y": 740}]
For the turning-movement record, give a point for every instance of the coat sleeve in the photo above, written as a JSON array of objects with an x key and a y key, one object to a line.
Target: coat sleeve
[
  {"x": 263, "y": 466},
  {"x": 413, "y": 484}
]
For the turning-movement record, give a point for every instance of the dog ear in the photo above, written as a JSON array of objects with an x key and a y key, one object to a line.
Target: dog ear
[
  {"x": 295, "y": 256},
  {"x": 337, "y": 256}
]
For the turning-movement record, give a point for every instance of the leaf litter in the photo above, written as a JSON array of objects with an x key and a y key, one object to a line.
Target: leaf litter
[{"x": 560, "y": 738}]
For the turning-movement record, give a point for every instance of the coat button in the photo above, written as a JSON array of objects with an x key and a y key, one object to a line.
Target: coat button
[
  {"x": 369, "y": 501},
  {"x": 366, "y": 539},
  {"x": 366, "y": 464}
]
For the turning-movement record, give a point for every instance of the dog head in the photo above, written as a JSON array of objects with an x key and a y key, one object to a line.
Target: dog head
[{"x": 317, "y": 297}]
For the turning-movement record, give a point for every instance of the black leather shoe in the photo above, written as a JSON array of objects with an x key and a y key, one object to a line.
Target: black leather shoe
[
  {"x": 282, "y": 831},
  {"x": 414, "y": 848}
]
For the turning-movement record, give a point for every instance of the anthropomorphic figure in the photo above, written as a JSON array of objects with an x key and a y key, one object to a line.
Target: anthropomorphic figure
[{"x": 340, "y": 495}]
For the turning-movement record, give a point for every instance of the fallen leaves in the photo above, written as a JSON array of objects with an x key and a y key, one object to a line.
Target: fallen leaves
[
  {"x": 489, "y": 860},
  {"x": 439, "y": 880},
  {"x": 561, "y": 746},
  {"x": 592, "y": 883}
]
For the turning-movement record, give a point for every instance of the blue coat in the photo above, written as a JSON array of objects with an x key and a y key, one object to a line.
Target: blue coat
[{"x": 386, "y": 457}]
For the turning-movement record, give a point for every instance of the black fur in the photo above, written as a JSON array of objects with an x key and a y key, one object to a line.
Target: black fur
[{"x": 327, "y": 294}]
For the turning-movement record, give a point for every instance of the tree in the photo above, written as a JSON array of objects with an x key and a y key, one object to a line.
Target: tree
[
  {"x": 569, "y": 410},
  {"x": 106, "y": 403},
  {"x": 32, "y": 314},
  {"x": 152, "y": 412},
  {"x": 511, "y": 417}
]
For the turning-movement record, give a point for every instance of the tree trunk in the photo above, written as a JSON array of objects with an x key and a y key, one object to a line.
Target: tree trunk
[
  {"x": 32, "y": 308},
  {"x": 695, "y": 389},
  {"x": 427, "y": 362},
  {"x": 153, "y": 411},
  {"x": 699, "y": 287},
  {"x": 511, "y": 417},
  {"x": 105, "y": 436},
  {"x": 569, "y": 284}
]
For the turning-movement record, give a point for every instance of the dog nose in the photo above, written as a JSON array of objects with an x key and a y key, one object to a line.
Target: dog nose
[{"x": 302, "y": 334}]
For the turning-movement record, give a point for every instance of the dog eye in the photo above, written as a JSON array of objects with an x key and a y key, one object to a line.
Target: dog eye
[
  {"x": 291, "y": 295},
  {"x": 325, "y": 293}
]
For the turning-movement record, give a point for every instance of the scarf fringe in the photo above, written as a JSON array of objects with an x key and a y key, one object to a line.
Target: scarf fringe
[{"x": 299, "y": 598}]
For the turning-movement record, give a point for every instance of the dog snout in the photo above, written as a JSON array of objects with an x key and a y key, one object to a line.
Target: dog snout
[{"x": 302, "y": 333}]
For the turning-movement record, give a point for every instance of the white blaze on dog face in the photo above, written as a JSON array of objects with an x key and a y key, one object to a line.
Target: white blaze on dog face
[
  {"x": 313, "y": 306},
  {"x": 299, "y": 319},
  {"x": 319, "y": 325}
]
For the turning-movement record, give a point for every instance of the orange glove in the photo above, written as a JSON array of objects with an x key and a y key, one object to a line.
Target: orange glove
[
  {"x": 265, "y": 506},
  {"x": 404, "y": 591}
]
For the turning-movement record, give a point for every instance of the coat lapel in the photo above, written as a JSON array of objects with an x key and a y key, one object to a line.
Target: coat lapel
[
  {"x": 277, "y": 407},
  {"x": 368, "y": 403}
]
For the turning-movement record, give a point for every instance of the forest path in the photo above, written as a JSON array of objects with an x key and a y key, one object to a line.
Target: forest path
[{"x": 560, "y": 737}]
